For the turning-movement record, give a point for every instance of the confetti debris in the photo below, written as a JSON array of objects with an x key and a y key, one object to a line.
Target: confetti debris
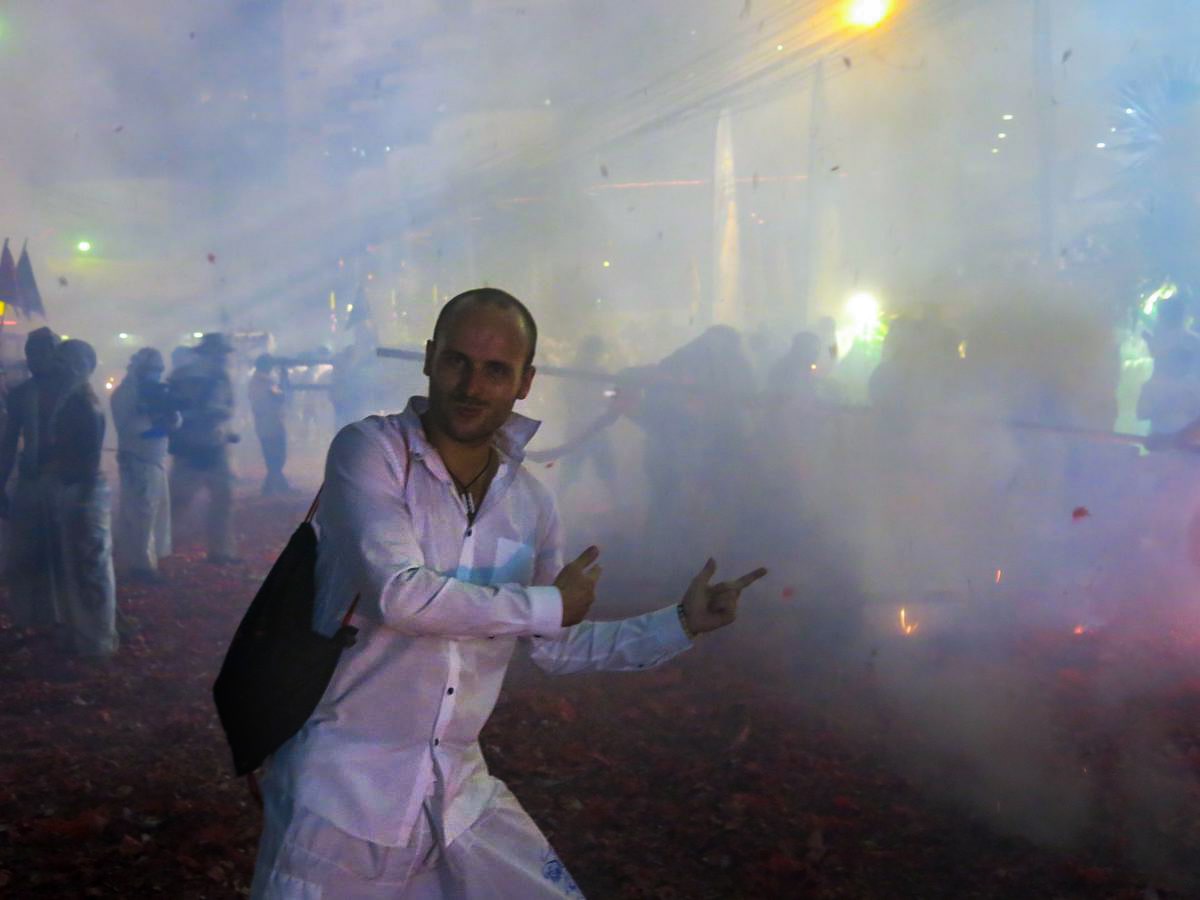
[
  {"x": 212, "y": 257},
  {"x": 1080, "y": 512}
]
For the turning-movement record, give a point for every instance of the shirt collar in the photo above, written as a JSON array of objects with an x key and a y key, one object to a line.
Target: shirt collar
[{"x": 510, "y": 440}]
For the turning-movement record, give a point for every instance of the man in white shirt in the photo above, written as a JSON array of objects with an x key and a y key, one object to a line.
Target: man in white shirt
[{"x": 454, "y": 552}]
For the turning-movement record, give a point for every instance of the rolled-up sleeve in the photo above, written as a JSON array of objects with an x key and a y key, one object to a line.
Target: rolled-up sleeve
[{"x": 365, "y": 517}]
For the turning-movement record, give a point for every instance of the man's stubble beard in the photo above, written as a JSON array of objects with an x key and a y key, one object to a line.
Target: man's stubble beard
[{"x": 440, "y": 406}]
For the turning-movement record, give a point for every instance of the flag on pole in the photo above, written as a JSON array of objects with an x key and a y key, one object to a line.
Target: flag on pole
[
  {"x": 29, "y": 298},
  {"x": 9, "y": 292}
]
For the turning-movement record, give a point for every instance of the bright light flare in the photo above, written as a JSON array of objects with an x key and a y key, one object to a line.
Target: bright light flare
[
  {"x": 1079, "y": 629},
  {"x": 864, "y": 313},
  {"x": 999, "y": 575},
  {"x": 867, "y": 13},
  {"x": 84, "y": 246},
  {"x": 906, "y": 627}
]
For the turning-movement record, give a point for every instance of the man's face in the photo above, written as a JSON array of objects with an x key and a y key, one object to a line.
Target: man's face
[
  {"x": 40, "y": 358},
  {"x": 477, "y": 372}
]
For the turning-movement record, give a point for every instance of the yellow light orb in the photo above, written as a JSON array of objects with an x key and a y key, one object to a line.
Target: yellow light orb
[{"x": 867, "y": 13}]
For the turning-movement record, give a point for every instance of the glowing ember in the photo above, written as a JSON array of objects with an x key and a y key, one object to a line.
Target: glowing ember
[
  {"x": 999, "y": 575},
  {"x": 906, "y": 626},
  {"x": 1079, "y": 629}
]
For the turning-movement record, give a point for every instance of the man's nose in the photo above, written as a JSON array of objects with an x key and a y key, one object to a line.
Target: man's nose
[{"x": 471, "y": 382}]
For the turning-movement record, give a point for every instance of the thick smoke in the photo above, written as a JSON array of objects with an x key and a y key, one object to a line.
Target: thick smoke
[{"x": 242, "y": 165}]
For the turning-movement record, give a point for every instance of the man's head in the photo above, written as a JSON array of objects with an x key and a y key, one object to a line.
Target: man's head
[
  {"x": 263, "y": 363},
  {"x": 147, "y": 364},
  {"x": 214, "y": 349},
  {"x": 40, "y": 345},
  {"x": 806, "y": 350},
  {"x": 77, "y": 359},
  {"x": 479, "y": 363}
]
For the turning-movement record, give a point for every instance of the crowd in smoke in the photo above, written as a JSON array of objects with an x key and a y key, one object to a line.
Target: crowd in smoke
[{"x": 946, "y": 541}]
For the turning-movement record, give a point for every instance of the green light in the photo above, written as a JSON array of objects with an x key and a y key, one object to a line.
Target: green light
[
  {"x": 84, "y": 246},
  {"x": 1165, "y": 292}
]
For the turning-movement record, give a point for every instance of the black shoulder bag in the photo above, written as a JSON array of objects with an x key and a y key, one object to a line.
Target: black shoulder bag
[{"x": 277, "y": 667}]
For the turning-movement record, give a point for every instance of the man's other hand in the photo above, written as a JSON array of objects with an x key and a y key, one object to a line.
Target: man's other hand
[
  {"x": 577, "y": 584},
  {"x": 707, "y": 607}
]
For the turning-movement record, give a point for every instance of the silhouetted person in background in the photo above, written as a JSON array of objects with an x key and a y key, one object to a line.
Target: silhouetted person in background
[
  {"x": 203, "y": 391},
  {"x": 83, "y": 509},
  {"x": 794, "y": 378},
  {"x": 33, "y": 590},
  {"x": 144, "y": 416},
  {"x": 1171, "y": 329},
  {"x": 1170, "y": 400},
  {"x": 581, "y": 401},
  {"x": 267, "y": 403}
]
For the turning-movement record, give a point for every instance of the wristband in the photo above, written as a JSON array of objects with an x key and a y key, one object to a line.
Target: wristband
[{"x": 691, "y": 635}]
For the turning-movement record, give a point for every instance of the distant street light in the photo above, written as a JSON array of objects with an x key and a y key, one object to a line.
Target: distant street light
[{"x": 84, "y": 246}]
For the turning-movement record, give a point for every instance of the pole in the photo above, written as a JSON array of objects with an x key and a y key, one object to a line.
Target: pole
[
  {"x": 1044, "y": 105},
  {"x": 810, "y": 250}
]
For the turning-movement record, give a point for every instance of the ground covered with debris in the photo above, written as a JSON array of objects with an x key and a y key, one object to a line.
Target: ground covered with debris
[{"x": 703, "y": 779}]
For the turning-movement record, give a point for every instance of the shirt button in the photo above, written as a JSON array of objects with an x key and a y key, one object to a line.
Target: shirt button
[{"x": 449, "y": 690}]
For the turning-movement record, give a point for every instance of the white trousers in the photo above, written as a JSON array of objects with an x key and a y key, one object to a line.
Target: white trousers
[
  {"x": 503, "y": 856},
  {"x": 144, "y": 515}
]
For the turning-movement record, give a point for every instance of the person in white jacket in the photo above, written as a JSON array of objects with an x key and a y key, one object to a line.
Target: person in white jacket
[
  {"x": 143, "y": 419},
  {"x": 454, "y": 553}
]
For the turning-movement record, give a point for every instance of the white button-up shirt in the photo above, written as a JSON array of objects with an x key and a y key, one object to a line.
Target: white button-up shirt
[{"x": 442, "y": 604}]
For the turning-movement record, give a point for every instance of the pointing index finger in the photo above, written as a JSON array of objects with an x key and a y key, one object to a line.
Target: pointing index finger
[
  {"x": 587, "y": 557},
  {"x": 748, "y": 579}
]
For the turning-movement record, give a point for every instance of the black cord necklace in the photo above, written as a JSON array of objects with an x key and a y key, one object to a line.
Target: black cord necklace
[{"x": 465, "y": 489}]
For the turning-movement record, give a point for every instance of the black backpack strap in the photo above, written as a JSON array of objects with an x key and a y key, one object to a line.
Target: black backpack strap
[
  {"x": 255, "y": 790},
  {"x": 312, "y": 510}
]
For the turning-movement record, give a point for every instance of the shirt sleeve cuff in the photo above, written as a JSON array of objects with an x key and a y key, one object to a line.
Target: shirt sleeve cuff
[
  {"x": 547, "y": 606},
  {"x": 668, "y": 630}
]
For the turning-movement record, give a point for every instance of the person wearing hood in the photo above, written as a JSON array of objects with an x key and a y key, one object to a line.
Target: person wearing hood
[
  {"x": 82, "y": 505},
  {"x": 144, "y": 416},
  {"x": 204, "y": 392},
  {"x": 33, "y": 602}
]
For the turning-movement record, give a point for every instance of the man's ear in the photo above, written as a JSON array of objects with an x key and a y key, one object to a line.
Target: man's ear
[
  {"x": 526, "y": 382},
  {"x": 427, "y": 370}
]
